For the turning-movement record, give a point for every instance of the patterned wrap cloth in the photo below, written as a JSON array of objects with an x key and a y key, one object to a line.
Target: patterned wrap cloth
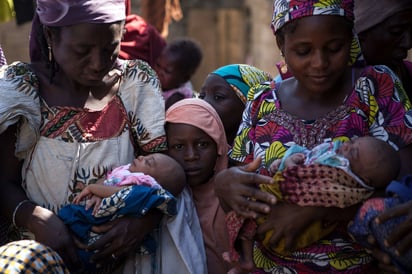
[
  {"x": 309, "y": 184},
  {"x": 30, "y": 257},
  {"x": 364, "y": 224},
  {"x": 242, "y": 77}
]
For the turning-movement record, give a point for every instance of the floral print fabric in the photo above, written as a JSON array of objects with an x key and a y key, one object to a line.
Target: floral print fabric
[{"x": 377, "y": 106}]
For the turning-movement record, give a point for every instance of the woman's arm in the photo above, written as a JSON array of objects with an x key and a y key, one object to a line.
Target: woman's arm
[{"x": 46, "y": 226}]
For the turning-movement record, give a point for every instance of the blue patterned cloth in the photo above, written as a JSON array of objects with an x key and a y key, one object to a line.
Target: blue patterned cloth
[
  {"x": 135, "y": 200},
  {"x": 364, "y": 223}
]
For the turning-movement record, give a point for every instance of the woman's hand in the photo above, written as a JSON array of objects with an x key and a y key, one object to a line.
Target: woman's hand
[
  {"x": 237, "y": 189},
  {"x": 121, "y": 236},
  {"x": 401, "y": 237},
  {"x": 384, "y": 260},
  {"x": 288, "y": 222},
  {"x": 51, "y": 231}
]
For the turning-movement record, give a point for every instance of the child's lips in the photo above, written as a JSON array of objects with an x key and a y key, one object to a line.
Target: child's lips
[{"x": 192, "y": 171}]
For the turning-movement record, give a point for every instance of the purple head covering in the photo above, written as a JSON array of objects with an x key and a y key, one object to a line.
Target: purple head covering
[{"x": 61, "y": 13}]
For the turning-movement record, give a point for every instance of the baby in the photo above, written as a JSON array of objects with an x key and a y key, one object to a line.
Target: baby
[
  {"x": 319, "y": 177},
  {"x": 132, "y": 189}
]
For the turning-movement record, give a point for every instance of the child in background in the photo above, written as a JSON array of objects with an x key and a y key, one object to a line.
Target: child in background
[
  {"x": 226, "y": 90},
  {"x": 132, "y": 189},
  {"x": 370, "y": 163},
  {"x": 175, "y": 66}
]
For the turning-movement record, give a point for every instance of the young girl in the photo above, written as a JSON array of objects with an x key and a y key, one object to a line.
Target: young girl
[
  {"x": 197, "y": 140},
  {"x": 226, "y": 90}
]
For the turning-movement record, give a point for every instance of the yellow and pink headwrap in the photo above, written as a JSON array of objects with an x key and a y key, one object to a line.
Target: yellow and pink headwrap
[
  {"x": 61, "y": 13},
  {"x": 285, "y": 11}
]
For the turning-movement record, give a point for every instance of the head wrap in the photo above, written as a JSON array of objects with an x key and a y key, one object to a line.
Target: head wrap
[
  {"x": 285, "y": 11},
  {"x": 61, "y": 13},
  {"x": 368, "y": 14},
  {"x": 242, "y": 77},
  {"x": 199, "y": 113}
]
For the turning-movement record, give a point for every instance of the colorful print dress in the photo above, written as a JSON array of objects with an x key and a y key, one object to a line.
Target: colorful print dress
[
  {"x": 65, "y": 148},
  {"x": 376, "y": 106}
]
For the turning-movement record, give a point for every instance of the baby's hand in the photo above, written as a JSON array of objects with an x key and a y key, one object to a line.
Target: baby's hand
[
  {"x": 274, "y": 167},
  {"x": 295, "y": 160},
  {"x": 94, "y": 201},
  {"x": 83, "y": 194}
]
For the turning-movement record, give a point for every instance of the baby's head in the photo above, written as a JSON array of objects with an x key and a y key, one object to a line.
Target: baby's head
[
  {"x": 373, "y": 160},
  {"x": 161, "y": 167},
  {"x": 178, "y": 62}
]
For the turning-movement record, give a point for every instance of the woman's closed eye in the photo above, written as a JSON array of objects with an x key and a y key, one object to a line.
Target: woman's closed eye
[
  {"x": 335, "y": 47},
  {"x": 302, "y": 51}
]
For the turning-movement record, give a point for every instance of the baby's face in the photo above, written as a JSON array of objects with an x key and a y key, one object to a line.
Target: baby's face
[
  {"x": 150, "y": 164},
  {"x": 361, "y": 155}
]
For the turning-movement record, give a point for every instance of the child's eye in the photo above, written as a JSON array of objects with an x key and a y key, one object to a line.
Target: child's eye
[
  {"x": 203, "y": 144},
  {"x": 202, "y": 95},
  {"x": 218, "y": 97},
  {"x": 177, "y": 147}
]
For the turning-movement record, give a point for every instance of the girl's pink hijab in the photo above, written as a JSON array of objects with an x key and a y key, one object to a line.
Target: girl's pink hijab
[{"x": 200, "y": 114}]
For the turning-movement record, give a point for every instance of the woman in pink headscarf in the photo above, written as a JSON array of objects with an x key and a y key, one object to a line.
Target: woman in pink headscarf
[{"x": 70, "y": 116}]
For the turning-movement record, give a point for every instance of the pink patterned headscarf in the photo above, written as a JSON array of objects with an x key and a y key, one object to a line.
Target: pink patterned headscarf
[
  {"x": 285, "y": 11},
  {"x": 61, "y": 13}
]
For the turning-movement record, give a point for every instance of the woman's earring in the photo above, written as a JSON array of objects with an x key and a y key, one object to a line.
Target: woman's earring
[{"x": 50, "y": 54}]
